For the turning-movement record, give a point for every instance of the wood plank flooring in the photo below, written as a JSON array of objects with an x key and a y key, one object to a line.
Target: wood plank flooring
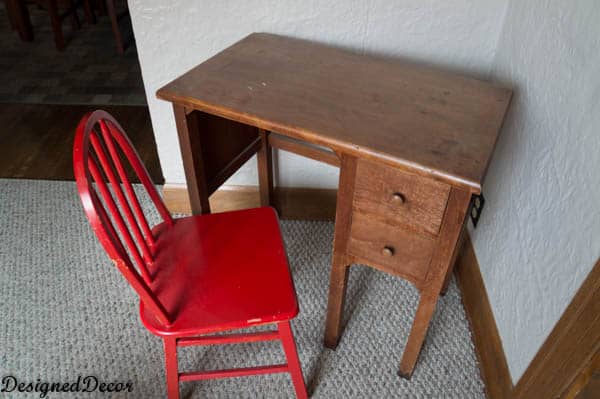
[{"x": 36, "y": 141}]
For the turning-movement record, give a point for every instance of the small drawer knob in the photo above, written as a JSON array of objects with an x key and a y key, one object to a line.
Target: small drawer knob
[
  {"x": 398, "y": 198},
  {"x": 387, "y": 251}
]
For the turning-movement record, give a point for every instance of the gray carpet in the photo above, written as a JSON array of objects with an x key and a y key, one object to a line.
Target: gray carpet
[
  {"x": 65, "y": 311},
  {"x": 88, "y": 71}
]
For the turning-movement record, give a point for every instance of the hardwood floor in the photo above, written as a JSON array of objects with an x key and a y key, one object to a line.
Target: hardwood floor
[{"x": 36, "y": 141}]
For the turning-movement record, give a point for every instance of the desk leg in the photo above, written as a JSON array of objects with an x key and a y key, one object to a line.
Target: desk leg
[
  {"x": 339, "y": 268},
  {"x": 191, "y": 153},
  {"x": 338, "y": 281},
  {"x": 265, "y": 169},
  {"x": 441, "y": 263}
]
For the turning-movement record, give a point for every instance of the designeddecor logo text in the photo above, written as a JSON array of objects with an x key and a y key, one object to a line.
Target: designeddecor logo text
[{"x": 85, "y": 384}]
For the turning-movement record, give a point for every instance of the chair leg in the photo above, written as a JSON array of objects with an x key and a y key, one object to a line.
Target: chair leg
[
  {"x": 89, "y": 12},
  {"x": 20, "y": 20},
  {"x": 74, "y": 18},
  {"x": 289, "y": 347},
  {"x": 114, "y": 20},
  {"x": 171, "y": 367},
  {"x": 59, "y": 39}
]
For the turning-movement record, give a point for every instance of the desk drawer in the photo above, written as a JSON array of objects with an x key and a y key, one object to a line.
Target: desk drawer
[
  {"x": 392, "y": 248},
  {"x": 400, "y": 198}
]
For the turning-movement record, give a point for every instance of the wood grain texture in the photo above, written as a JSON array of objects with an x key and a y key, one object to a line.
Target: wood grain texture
[
  {"x": 424, "y": 120},
  {"x": 37, "y": 140},
  {"x": 292, "y": 202},
  {"x": 570, "y": 346},
  {"x": 484, "y": 332},
  {"x": 422, "y": 201},
  {"x": 587, "y": 384},
  {"x": 408, "y": 253}
]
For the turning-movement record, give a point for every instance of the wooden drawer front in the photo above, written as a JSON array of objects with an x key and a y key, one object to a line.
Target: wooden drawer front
[
  {"x": 407, "y": 254},
  {"x": 399, "y": 197}
]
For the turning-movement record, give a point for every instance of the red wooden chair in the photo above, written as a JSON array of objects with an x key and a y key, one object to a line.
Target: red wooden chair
[{"x": 195, "y": 276}]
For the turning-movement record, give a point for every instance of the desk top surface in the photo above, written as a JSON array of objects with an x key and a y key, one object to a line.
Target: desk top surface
[{"x": 418, "y": 118}]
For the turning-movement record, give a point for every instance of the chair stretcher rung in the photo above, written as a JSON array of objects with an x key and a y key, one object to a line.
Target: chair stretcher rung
[
  {"x": 229, "y": 339},
  {"x": 228, "y": 373}
]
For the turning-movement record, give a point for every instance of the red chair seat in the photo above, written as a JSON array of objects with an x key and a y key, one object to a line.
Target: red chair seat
[{"x": 220, "y": 272}]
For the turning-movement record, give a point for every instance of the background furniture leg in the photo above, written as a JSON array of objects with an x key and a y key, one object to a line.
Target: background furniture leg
[
  {"x": 10, "y": 12},
  {"x": 90, "y": 18},
  {"x": 56, "y": 22},
  {"x": 289, "y": 347},
  {"x": 114, "y": 20},
  {"x": 72, "y": 9},
  {"x": 171, "y": 367},
  {"x": 265, "y": 169},
  {"x": 19, "y": 19}
]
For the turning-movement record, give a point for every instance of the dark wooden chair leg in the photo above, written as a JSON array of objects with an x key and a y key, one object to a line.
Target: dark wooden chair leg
[
  {"x": 19, "y": 19},
  {"x": 56, "y": 22},
  {"x": 114, "y": 20},
  {"x": 72, "y": 11},
  {"x": 10, "y": 12},
  {"x": 100, "y": 6},
  {"x": 90, "y": 18}
]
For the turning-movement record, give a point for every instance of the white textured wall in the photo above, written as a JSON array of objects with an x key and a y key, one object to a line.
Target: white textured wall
[
  {"x": 174, "y": 36},
  {"x": 539, "y": 235}
]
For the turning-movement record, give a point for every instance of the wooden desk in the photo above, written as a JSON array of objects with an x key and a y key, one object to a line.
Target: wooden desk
[{"x": 413, "y": 145}]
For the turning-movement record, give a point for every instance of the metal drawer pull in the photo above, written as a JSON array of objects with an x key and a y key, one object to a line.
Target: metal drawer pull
[
  {"x": 398, "y": 198},
  {"x": 387, "y": 251}
]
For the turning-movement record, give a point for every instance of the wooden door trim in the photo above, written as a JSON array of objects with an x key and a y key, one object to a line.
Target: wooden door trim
[{"x": 570, "y": 346}]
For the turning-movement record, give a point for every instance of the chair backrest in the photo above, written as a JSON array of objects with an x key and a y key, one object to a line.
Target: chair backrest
[{"x": 102, "y": 153}]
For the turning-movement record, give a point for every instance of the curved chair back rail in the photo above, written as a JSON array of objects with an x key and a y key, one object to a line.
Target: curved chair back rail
[{"x": 116, "y": 215}]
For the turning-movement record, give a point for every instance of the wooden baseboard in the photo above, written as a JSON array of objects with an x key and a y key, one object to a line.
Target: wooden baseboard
[
  {"x": 488, "y": 346},
  {"x": 290, "y": 202},
  {"x": 565, "y": 363}
]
